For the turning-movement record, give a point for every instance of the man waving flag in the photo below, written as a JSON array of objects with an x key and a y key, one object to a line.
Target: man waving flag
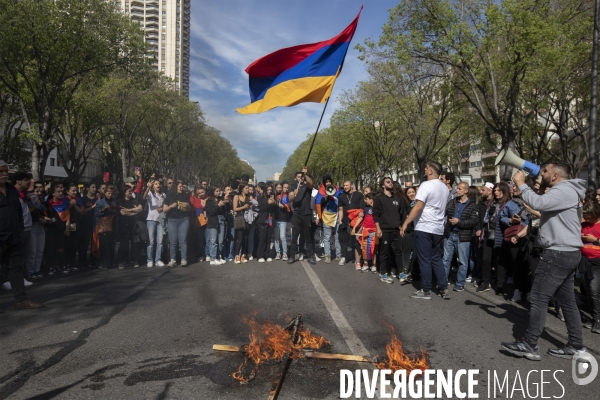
[{"x": 298, "y": 74}]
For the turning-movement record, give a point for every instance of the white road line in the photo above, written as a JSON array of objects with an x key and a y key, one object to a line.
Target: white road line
[{"x": 354, "y": 343}]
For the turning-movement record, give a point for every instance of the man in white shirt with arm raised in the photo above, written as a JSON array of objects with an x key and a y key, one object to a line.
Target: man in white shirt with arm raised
[{"x": 429, "y": 217}]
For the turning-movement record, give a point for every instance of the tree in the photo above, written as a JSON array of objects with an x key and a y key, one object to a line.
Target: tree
[
  {"x": 487, "y": 49},
  {"x": 47, "y": 49}
]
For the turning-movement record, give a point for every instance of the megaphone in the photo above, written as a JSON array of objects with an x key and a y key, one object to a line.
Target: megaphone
[
  {"x": 330, "y": 190},
  {"x": 507, "y": 157}
]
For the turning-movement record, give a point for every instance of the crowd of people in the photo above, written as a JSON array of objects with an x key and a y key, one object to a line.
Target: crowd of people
[{"x": 496, "y": 236}]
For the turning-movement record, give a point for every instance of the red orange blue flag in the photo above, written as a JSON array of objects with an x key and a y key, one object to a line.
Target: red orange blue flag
[{"x": 298, "y": 74}]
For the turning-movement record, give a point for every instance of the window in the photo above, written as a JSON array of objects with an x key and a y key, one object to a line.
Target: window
[
  {"x": 477, "y": 180},
  {"x": 52, "y": 162},
  {"x": 475, "y": 164}
]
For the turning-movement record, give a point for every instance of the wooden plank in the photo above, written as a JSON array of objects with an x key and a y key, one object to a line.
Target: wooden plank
[
  {"x": 305, "y": 353},
  {"x": 224, "y": 347}
]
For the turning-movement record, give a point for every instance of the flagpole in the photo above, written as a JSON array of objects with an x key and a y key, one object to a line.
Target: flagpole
[{"x": 317, "y": 131}]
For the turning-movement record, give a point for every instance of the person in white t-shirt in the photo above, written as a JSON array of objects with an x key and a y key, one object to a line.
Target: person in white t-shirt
[
  {"x": 428, "y": 215},
  {"x": 155, "y": 222}
]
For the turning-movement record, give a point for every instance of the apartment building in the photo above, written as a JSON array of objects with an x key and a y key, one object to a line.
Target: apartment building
[{"x": 167, "y": 27}]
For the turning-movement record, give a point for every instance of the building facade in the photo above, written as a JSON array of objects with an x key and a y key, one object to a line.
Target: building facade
[{"x": 167, "y": 27}]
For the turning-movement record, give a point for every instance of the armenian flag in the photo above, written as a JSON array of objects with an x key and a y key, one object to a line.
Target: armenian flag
[{"x": 298, "y": 74}]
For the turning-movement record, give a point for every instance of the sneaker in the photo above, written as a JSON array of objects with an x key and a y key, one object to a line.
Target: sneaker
[
  {"x": 102, "y": 268},
  {"x": 51, "y": 272},
  {"x": 317, "y": 258},
  {"x": 458, "y": 289},
  {"x": 342, "y": 261},
  {"x": 357, "y": 266},
  {"x": 278, "y": 257},
  {"x": 420, "y": 294},
  {"x": 121, "y": 266},
  {"x": 402, "y": 277},
  {"x": 445, "y": 294},
  {"x": 244, "y": 259},
  {"x": 469, "y": 279},
  {"x": 567, "y": 352},
  {"x": 365, "y": 268},
  {"x": 394, "y": 274},
  {"x": 251, "y": 258},
  {"x": 150, "y": 264},
  {"x": 207, "y": 258},
  {"x": 301, "y": 257},
  {"x": 327, "y": 259},
  {"x": 215, "y": 262},
  {"x": 284, "y": 257},
  {"x": 500, "y": 291},
  {"x": 172, "y": 263},
  {"x": 237, "y": 260},
  {"x": 484, "y": 287},
  {"x": 230, "y": 259},
  {"x": 338, "y": 258},
  {"x": 74, "y": 269},
  {"x": 374, "y": 269},
  {"x": 475, "y": 283},
  {"x": 386, "y": 278},
  {"x": 516, "y": 296},
  {"x": 312, "y": 260},
  {"x": 6, "y": 286},
  {"x": 409, "y": 279},
  {"x": 136, "y": 265},
  {"x": 269, "y": 259},
  {"x": 261, "y": 260},
  {"x": 27, "y": 283},
  {"x": 521, "y": 348},
  {"x": 291, "y": 260},
  {"x": 65, "y": 271},
  {"x": 160, "y": 264},
  {"x": 222, "y": 262},
  {"x": 184, "y": 263}
]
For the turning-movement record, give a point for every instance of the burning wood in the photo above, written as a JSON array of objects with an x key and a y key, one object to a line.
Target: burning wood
[
  {"x": 272, "y": 343},
  {"x": 398, "y": 359}
]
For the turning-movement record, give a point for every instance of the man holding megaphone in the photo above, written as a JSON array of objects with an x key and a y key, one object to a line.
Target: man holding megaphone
[{"x": 559, "y": 237}]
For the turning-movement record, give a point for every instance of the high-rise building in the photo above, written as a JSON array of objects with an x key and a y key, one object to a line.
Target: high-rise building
[{"x": 167, "y": 27}]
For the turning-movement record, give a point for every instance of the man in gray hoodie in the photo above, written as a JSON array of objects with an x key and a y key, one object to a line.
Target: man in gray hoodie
[{"x": 559, "y": 236}]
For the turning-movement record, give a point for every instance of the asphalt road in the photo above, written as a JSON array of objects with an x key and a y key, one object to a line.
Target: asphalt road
[{"x": 147, "y": 333}]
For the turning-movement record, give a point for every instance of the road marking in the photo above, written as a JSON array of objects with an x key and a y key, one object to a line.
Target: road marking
[{"x": 354, "y": 343}]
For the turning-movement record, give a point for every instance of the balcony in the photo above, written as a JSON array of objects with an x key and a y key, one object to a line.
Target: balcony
[{"x": 488, "y": 173}]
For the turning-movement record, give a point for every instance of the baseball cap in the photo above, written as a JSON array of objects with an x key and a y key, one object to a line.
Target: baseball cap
[
  {"x": 129, "y": 179},
  {"x": 489, "y": 185}
]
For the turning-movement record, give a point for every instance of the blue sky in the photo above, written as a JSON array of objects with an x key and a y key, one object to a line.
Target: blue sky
[{"x": 227, "y": 35}]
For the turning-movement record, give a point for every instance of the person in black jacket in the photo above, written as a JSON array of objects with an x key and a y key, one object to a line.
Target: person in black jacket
[
  {"x": 462, "y": 216},
  {"x": 389, "y": 213},
  {"x": 11, "y": 229}
]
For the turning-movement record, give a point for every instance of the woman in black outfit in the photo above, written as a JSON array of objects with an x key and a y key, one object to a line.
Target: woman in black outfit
[
  {"x": 266, "y": 211},
  {"x": 411, "y": 267},
  {"x": 241, "y": 202},
  {"x": 129, "y": 210}
]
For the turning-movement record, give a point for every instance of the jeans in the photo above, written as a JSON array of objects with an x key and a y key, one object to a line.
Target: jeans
[
  {"x": 251, "y": 232},
  {"x": 155, "y": 238},
  {"x": 301, "y": 224},
  {"x": 221, "y": 236},
  {"x": 201, "y": 242},
  {"x": 178, "y": 230},
  {"x": 554, "y": 276},
  {"x": 453, "y": 244},
  {"x": 12, "y": 257},
  {"x": 36, "y": 249},
  {"x": 280, "y": 229},
  {"x": 327, "y": 232},
  {"x": 592, "y": 284},
  {"x": 430, "y": 260},
  {"x": 390, "y": 242},
  {"x": 264, "y": 241},
  {"x": 211, "y": 242}
]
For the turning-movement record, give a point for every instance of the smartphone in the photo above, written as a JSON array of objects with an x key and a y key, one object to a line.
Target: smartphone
[{"x": 106, "y": 176}]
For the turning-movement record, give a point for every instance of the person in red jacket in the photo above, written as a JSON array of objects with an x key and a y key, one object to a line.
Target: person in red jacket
[{"x": 590, "y": 236}]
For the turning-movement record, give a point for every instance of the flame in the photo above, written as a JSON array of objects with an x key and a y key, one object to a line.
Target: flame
[
  {"x": 398, "y": 359},
  {"x": 270, "y": 342}
]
